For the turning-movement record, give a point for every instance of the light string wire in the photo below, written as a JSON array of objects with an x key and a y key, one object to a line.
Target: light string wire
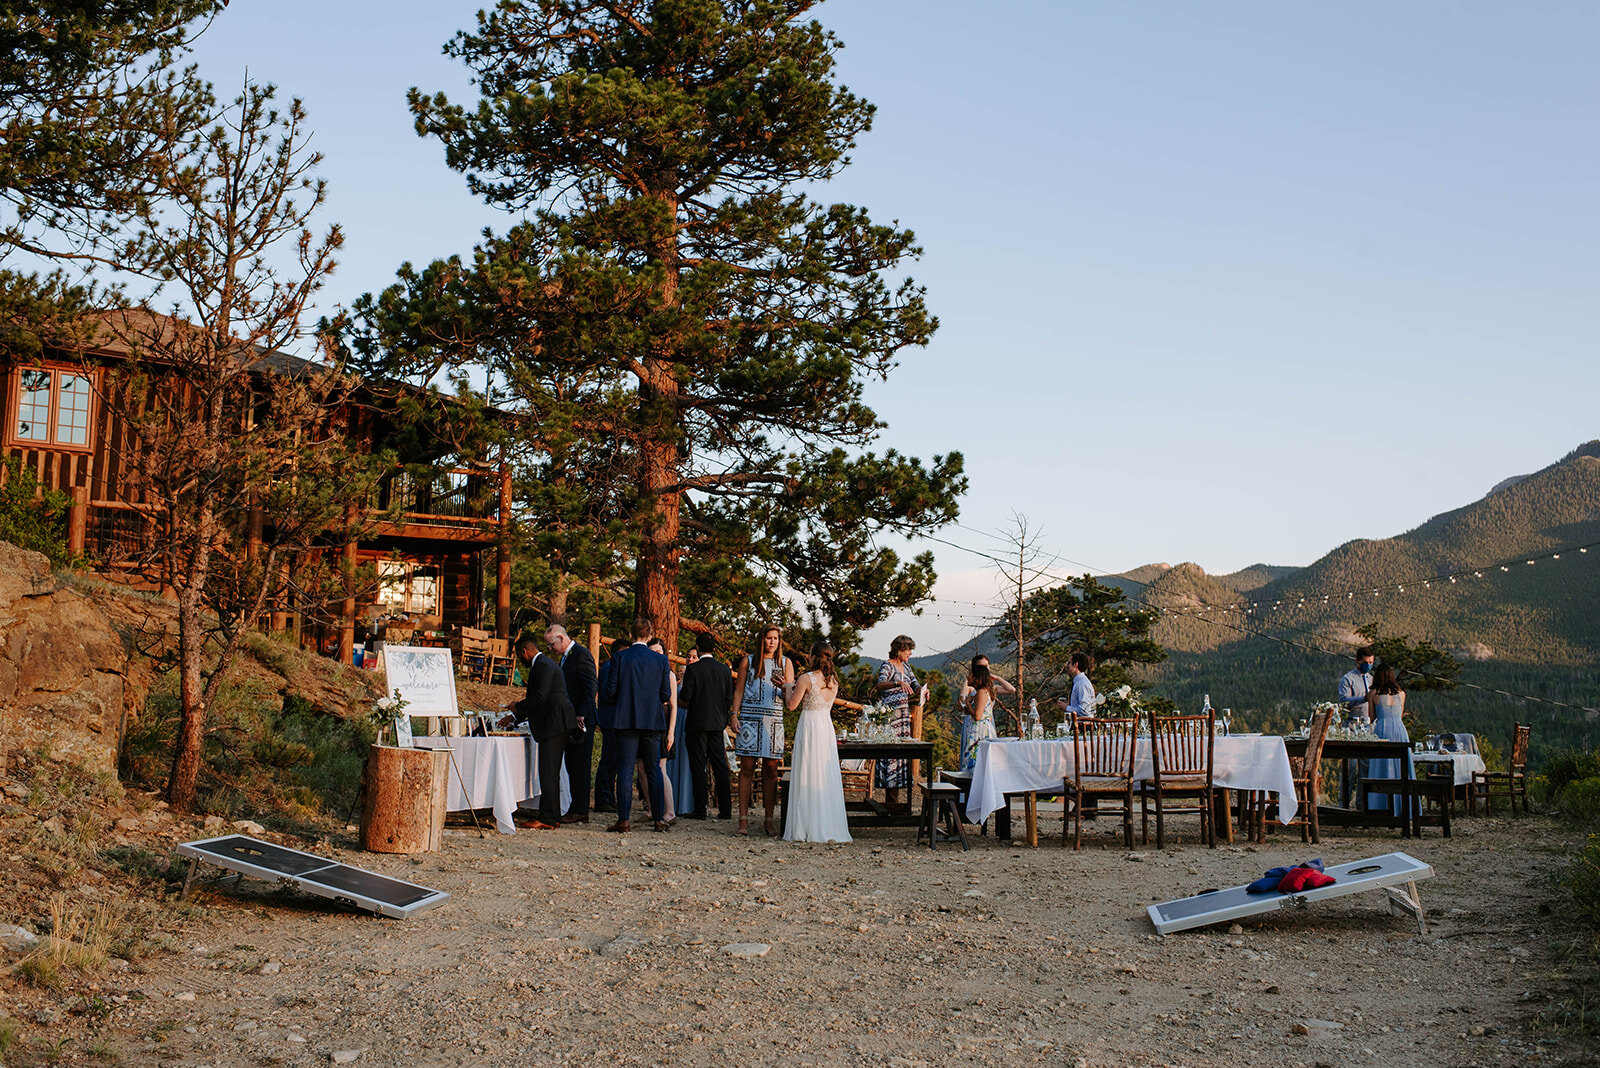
[{"x": 1244, "y": 607}]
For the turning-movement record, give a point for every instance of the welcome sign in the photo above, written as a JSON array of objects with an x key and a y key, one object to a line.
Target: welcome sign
[{"x": 424, "y": 678}]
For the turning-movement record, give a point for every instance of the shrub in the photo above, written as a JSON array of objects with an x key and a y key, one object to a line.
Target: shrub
[
  {"x": 32, "y": 517},
  {"x": 1565, "y": 766},
  {"x": 1582, "y": 878},
  {"x": 1580, "y": 802}
]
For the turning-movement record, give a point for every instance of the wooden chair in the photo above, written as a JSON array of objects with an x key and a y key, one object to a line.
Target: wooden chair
[
  {"x": 1181, "y": 753},
  {"x": 1510, "y": 784},
  {"x": 1103, "y": 754},
  {"x": 1307, "y": 771}
]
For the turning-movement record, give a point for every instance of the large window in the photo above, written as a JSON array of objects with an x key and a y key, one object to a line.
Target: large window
[
  {"x": 409, "y": 588},
  {"x": 54, "y": 407}
]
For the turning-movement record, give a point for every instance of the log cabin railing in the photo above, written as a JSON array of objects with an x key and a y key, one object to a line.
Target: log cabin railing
[{"x": 447, "y": 495}]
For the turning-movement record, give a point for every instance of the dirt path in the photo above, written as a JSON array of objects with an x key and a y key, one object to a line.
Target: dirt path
[{"x": 579, "y": 947}]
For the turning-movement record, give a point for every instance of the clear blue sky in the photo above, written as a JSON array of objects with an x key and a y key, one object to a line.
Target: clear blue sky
[{"x": 1227, "y": 282}]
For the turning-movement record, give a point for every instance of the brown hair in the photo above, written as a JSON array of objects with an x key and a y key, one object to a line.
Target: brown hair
[
  {"x": 900, "y": 644},
  {"x": 643, "y": 628},
  {"x": 1383, "y": 680},
  {"x": 755, "y": 654},
  {"x": 1082, "y": 661},
  {"x": 822, "y": 660},
  {"x": 981, "y": 679}
]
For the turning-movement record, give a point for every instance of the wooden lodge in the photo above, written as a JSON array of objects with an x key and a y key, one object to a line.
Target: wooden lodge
[{"x": 432, "y": 538}]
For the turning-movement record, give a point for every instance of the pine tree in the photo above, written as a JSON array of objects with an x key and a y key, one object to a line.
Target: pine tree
[{"x": 675, "y": 295}]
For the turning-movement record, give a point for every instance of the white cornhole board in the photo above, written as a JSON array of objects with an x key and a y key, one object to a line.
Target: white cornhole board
[
  {"x": 1378, "y": 873},
  {"x": 342, "y": 883}
]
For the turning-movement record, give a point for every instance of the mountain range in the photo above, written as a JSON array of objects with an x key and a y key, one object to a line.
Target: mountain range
[{"x": 1283, "y": 635}]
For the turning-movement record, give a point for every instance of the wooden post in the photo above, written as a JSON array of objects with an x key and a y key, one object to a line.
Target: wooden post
[
  {"x": 403, "y": 800},
  {"x": 594, "y": 641},
  {"x": 916, "y": 732},
  {"x": 502, "y": 560},
  {"x": 78, "y": 521},
  {"x": 347, "y": 616},
  {"x": 252, "y": 534},
  {"x": 280, "y": 600}
]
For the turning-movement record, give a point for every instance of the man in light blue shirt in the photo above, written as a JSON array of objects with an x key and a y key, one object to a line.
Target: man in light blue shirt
[
  {"x": 1353, "y": 684},
  {"x": 1082, "y": 703}
]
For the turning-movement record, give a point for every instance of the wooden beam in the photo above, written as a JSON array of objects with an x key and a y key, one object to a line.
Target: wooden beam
[
  {"x": 347, "y": 617},
  {"x": 78, "y": 521}
]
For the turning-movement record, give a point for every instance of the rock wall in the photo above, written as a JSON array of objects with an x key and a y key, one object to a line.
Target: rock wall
[{"x": 63, "y": 669}]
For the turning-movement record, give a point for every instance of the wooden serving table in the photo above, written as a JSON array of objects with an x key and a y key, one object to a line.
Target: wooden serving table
[{"x": 1410, "y": 818}]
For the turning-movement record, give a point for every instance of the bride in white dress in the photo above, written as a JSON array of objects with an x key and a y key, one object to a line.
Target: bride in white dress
[{"x": 816, "y": 790}]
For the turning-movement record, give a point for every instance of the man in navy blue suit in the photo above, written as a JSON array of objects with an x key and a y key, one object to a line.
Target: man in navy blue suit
[{"x": 639, "y": 685}]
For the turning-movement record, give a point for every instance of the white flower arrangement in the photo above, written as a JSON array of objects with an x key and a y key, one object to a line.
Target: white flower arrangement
[{"x": 387, "y": 712}]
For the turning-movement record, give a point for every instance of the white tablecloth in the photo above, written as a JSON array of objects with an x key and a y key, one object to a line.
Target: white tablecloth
[
  {"x": 500, "y": 774},
  {"x": 1240, "y": 762},
  {"x": 1465, "y": 763}
]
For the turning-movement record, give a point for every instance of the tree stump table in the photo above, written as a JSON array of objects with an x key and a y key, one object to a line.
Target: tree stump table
[{"x": 403, "y": 799}]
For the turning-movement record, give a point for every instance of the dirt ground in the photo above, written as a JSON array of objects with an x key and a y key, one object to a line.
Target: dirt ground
[{"x": 585, "y": 948}]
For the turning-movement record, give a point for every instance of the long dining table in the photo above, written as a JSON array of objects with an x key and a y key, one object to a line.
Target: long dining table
[{"x": 1006, "y": 767}]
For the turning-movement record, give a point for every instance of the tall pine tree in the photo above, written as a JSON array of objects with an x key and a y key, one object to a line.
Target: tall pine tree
[{"x": 673, "y": 293}]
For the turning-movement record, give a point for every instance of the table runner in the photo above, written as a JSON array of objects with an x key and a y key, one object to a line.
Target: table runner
[{"x": 1240, "y": 762}]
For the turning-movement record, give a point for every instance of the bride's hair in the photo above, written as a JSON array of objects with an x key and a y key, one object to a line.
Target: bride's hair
[{"x": 822, "y": 660}]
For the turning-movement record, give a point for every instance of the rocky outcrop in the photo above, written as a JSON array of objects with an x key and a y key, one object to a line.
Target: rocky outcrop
[{"x": 63, "y": 669}]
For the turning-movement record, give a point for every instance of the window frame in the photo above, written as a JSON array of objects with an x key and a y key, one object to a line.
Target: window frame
[{"x": 56, "y": 371}]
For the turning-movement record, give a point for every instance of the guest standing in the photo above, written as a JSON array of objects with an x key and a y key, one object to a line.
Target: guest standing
[
  {"x": 706, "y": 697},
  {"x": 1354, "y": 684},
  {"x": 764, "y": 677},
  {"x": 1386, "y": 703},
  {"x": 605, "y": 773},
  {"x": 1001, "y": 686},
  {"x": 1082, "y": 703},
  {"x": 978, "y": 723},
  {"x": 549, "y": 715},
  {"x": 640, "y": 685},
  {"x": 577, "y": 670},
  {"x": 669, "y": 788},
  {"x": 897, "y": 691}
]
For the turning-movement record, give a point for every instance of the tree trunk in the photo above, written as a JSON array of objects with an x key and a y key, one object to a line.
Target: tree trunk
[
  {"x": 656, "y": 585},
  {"x": 403, "y": 800},
  {"x": 190, "y": 746},
  {"x": 558, "y": 603}
]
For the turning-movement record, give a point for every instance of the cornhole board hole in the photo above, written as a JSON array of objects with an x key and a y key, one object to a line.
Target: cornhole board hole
[
  {"x": 1379, "y": 873},
  {"x": 355, "y": 887}
]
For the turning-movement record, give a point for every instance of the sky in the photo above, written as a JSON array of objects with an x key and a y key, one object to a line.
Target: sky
[{"x": 1227, "y": 283}]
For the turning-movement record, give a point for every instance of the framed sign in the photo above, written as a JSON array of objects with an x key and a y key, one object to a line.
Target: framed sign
[{"x": 424, "y": 678}]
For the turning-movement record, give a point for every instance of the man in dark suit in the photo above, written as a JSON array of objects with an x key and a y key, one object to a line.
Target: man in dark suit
[
  {"x": 605, "y": 773},
  {"x": 707, "y": 699},
  {"x": 577, "y": 669},
  {"x": 640, "y": 685},
  {"x": 550, "y": 718}
]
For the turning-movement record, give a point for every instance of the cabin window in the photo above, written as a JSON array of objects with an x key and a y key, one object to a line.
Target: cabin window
[
  {"x": 54, "y": 407},
  {"x": 408, "y": 588}
]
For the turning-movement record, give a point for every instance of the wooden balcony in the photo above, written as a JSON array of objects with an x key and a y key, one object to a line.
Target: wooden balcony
[{"x": 457, "y": 504}]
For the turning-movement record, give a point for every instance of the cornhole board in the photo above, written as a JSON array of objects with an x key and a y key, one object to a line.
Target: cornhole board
[
  {"x": 1379, "y": 873},
  {"x": 355, "y": 887}
]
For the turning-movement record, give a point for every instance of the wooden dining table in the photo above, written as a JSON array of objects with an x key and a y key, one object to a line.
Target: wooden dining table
[{"x": 1410, "y": 818}]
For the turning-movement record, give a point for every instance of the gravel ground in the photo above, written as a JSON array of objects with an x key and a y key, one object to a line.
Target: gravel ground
[{"x": 580, "y": 947}]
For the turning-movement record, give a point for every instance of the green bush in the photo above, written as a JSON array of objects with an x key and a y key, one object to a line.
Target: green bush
[
  {"x": 1582, "y": 877},
  {"x": 32, "y": 517},
  {"x": 1565, "y": 766},
  {"x": 1580, "y": 802}
]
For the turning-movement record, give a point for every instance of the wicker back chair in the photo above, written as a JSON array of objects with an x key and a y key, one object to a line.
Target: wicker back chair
[
  {"x": 1509, "y": 784},
  {"x": 1182, "y": 749},
  {"x": 1103, "y": 754}
]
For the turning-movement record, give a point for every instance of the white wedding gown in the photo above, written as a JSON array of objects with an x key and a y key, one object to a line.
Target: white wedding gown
[{"x": 816, "y": 791}]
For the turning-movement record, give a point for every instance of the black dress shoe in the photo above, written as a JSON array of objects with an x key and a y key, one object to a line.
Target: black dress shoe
[
  {"x": 580, "y": 817},
  {"x": 696, "y": 816}
]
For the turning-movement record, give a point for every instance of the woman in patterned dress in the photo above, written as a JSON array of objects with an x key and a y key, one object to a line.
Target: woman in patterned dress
[
  {"x": 897, "y": 689},
  {"x": 978, "y": 723},
  {"x": 765, "y": 676}
]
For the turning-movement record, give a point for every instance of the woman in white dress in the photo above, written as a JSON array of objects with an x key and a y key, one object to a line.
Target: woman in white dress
[
  {"x": 978, "y": 723},
  {"x": 816, "y": 790}
]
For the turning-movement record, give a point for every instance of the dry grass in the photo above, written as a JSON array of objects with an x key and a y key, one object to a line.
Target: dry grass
[{"x": 81, "y": 941}]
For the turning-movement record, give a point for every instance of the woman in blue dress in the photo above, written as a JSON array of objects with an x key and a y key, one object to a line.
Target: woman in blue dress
[
  {"x": 675, "y": 765},
  {"x": 1387, "y": 703}
]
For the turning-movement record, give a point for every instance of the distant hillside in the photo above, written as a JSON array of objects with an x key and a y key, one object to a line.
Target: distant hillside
[
  {"x": 1255, "y": 576},
  {"x": 1530, "y": 630}
]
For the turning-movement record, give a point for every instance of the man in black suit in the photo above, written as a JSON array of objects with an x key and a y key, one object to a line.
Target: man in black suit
[
  {"x": 549, "y": 715},
  {"x": 707, "y": 699},
  {"x": 577, "y": 669},
  {"x": 639, "y": 684}
]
